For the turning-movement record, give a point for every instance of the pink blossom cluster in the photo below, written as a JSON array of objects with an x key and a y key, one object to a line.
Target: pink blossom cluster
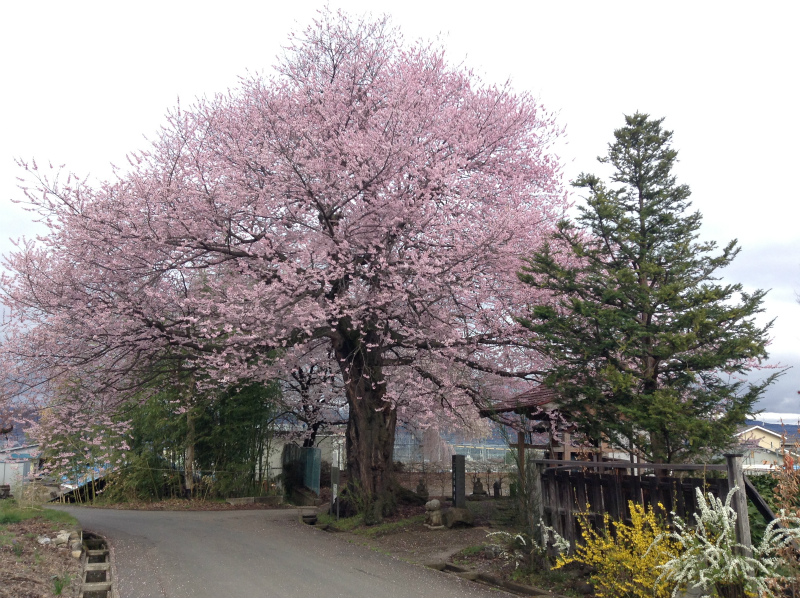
[{"x": 364, "y": 210}]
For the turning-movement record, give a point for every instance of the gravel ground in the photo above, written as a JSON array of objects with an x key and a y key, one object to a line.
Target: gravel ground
[{"x": 32, "y": 570}]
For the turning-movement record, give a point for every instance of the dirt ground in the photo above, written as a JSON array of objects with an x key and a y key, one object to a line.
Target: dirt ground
[
  {"x": 467, "y": 549},
  {"x": 418, "y": 544},
  {"x": 29, "y": 569}
]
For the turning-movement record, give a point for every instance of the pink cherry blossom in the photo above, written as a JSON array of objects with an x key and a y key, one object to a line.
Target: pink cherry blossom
[{"x": 364, "y": 208}]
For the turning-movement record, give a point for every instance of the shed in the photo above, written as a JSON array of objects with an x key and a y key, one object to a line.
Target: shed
[{"x": 16, "y": 464}]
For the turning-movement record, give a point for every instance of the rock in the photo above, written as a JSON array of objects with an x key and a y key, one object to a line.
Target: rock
[
  {"x": 77, "y": 554},
  {"x": 76, "y": 545},
  {"x": 74, "y": 536},
  {"x": 61, "y": 538},
  {"x": 43, "y": 540},
  {"x": 456, "y": 517},
  {"x": 433, "y": 505},
  {"x": 434, "y": 518}
]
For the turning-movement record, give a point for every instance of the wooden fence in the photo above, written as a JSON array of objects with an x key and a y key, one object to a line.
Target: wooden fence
[{"x": 568, "y": 489}]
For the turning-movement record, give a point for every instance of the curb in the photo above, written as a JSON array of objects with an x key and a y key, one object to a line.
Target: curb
[{"x": 493, "y": 581}]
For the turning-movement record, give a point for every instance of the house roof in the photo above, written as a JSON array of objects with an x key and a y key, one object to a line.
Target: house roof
[
  {"x": 747, "y": 429},
  {"x": 791, "y": 431},
  {"x": 11, "y": 454},
  {"x": 526, "y": 402}
]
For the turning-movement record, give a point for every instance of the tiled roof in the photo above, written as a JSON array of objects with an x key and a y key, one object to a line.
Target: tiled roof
[{"x": 530, "y": 400}]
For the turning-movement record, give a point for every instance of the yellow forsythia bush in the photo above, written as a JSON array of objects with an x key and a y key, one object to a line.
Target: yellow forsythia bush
[{"x": 625, "y": 562}]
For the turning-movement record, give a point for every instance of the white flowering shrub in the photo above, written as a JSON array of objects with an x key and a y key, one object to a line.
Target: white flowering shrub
[
  {"x": 520, "y": 547},
  {"x": 712, "y": 560}
]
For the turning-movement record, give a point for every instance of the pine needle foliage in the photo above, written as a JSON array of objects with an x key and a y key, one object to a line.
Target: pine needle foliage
[{"x": 649, "y": 350}]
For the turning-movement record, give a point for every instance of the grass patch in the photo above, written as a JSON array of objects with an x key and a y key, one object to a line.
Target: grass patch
[
  {"x": 383, "y": 529},
  {"x": 472, "y": 550},
  {"x": 59, "y": 517},
  {"x": 59, "y": 583},
  {"x": 467, "y": 555},
  {"x": 496, "y": 512},
  {"x": 11, "y": 512},
  {"x": 356, "y": 525},
  {"x": 558, "y": 581},
  {"x": 10, "y": 517},
  {"x": 347, "y": 524}
]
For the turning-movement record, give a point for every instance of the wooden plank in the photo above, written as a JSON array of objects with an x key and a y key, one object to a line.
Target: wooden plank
[
  {"x": 537, "y": 494},
  {"x": 759, "y": 502},
  {"x": 629, "y": 465},
  {"x": 551, "y": 501},
  {"x": 98, "y": 586},
  {"x": 580, "y": 492},
  {"x": 97, "y": 566},
  {"x": 566, "y": 498},
  {"x": 609, "y": 503},
  {"x": 596, "y": 499}
]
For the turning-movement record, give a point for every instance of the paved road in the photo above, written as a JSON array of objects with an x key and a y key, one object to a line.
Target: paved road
[{"x": 254, "y": 554}]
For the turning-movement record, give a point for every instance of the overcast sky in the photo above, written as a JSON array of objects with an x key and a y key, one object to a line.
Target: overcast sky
[{"x": 84, "y": 83}]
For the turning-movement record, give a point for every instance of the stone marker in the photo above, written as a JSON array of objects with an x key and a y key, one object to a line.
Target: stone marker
[{"x": 459, "y": 481}]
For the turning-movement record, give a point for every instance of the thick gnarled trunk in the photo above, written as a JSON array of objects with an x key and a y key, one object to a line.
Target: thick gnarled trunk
[{"x": 370, "y": 427}]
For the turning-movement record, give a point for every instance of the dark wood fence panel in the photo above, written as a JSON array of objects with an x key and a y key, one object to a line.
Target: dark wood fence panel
[{"x": 568, "y": 494}]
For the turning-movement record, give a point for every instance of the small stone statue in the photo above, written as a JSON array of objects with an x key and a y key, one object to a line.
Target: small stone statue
[
  {"x": 497, "y": 488},
  {"x": 433, "y": 514},
  {"x": 422, "y": 489},
  {"x": 477, "y": 487}
]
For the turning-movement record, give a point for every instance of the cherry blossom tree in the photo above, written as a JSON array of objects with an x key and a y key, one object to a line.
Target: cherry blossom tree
[{"x": 368, "y": 196}]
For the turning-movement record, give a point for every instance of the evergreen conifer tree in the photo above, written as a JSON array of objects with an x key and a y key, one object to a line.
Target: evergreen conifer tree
[{"x": 648, "y": 349}]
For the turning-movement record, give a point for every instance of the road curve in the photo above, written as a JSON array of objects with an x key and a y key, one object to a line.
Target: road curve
[{"x": 249, "y": 554}]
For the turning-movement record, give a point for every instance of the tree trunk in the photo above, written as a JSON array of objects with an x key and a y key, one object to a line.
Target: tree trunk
[
  {"x": 370, "y": 427},
  {"x": 309, "y": 441},
  {"x": 188, "y": 467}
]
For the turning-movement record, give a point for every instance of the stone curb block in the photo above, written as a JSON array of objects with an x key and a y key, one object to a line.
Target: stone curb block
[{"x": 491, "y": 580}]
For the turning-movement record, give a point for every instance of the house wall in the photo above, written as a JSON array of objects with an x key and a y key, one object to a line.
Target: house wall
[
  {"x": 759, "y": 458},
  {"x": 14, "y": 474},
  {"x": 762, "y": 438}
]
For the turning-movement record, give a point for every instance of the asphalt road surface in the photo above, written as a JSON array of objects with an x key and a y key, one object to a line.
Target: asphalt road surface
[{"x": 254, "y": 554}]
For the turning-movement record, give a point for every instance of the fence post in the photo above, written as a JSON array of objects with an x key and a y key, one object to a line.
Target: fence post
[
  {"x": 739, "y": 501},
  {"x": 537, "y": 495}
]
